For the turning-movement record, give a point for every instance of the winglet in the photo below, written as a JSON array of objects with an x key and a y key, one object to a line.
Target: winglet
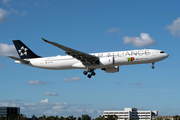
[{"x": 45, "y": 40}]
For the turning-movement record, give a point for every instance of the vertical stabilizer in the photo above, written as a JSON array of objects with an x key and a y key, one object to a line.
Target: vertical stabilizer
[{"x": 23, "y": 51}]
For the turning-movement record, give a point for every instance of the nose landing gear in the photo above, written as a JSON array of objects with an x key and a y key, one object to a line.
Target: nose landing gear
[
  {"x": 91, "y": 71},
  {"x": 153, "y": 66}
]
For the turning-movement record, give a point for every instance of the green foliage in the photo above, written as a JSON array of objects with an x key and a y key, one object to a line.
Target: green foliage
[
  {"x": 86, "y": 117},
  {"x": 34, "y": 117},
  {"x": 159, "y": 118},
  {"x": 132, "y": 119},
  {"x": 107, "y": 117},
  {"x": 176, "y": 117},
  {"x": 61, "y": 118},
  {"x": 2, "y": 118},
  {"x": 166, "y": 119},
  {"x": 44, "y": 117},
  {"x": 79, "y": 118}
]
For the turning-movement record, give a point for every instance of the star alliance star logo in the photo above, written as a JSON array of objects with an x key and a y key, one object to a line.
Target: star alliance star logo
[{"x": 23, "y": 51}]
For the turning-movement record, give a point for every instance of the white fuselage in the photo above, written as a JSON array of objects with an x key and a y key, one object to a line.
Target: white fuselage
[{"x": 107, "y": 59}]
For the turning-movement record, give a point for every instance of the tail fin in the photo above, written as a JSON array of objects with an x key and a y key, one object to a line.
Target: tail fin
[{"x": 23, "y": 51}]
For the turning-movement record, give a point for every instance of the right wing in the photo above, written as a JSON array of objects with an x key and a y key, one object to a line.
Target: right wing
[
  {"x": 85, "y": 58},
  {"x": 18, "y": 59}
]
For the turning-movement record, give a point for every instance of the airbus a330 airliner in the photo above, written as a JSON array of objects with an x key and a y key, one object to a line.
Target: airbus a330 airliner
[{"x": 107, "y": 61}]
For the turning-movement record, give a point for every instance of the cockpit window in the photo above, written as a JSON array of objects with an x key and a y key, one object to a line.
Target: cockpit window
[{"x": 162, "y": 52}]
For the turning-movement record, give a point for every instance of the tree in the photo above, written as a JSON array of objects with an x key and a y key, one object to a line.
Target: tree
[
  {"x": 159, "y": 118},
  {"x": 132, "y": 119},
  {"x": 61, "y": 118},
  {"x": 71, "y": 117},
  {"x": 2, "y": 118},
  {"x": 86, "y": 117},
  {"x": 57, "y": 118},
  {"x": 101, "y": 118},
  {"x": 40, "y": 118},
  {"x": 176, "y": 117},
  {"x": 111, "y": 117},
  {"x": 79, "y": 118},
  {"x": 51, "y": 118},
  {"x": 34, "y": 117},
  {"x": 44, "y": 117},
  {"x": 21, "y": 117}
]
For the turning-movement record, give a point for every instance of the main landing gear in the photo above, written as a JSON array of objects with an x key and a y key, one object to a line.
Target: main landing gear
[
  {"x": 153, "y": 66},
  {"x": 91, "y": 71}
]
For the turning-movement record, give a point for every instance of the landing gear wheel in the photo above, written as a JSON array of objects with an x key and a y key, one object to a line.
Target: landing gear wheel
[
  {"x": 89, "y": 76},
  {"x": 93, "y": 73},
  {"x": 85, "y": 72},
  {"x": 153, "y": 67}
]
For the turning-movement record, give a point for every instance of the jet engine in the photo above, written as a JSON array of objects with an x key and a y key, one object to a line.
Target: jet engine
[{"x": 111, "y": 69}]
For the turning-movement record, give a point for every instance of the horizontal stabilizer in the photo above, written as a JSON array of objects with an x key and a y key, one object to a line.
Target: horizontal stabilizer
[{"x": 18, "y": 59}]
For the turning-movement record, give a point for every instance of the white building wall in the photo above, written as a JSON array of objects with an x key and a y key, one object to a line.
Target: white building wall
[{"x": 130, "y": 113}]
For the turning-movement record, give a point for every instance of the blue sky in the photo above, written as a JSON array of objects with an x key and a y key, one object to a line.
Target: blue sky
[{"x": 90, "y": 27}]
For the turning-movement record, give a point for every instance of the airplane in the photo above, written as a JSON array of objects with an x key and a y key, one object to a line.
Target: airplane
[{"x": 107, "y": 61}]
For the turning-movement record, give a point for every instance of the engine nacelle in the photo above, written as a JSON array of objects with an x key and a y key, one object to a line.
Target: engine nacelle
[
  {"x": 107, "y": 61},
  {"x": 111, "y": 69}
]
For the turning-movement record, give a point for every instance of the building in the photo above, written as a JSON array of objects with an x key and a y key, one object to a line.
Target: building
[
  {"x": 132, "y": 113},
  {"x": 6, "y": 111}
]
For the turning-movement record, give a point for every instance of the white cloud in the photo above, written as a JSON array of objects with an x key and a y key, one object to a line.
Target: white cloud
[
  {"x": 23, "y": 13},
  {"x": 114, "y": 30},
  {"x": 142, "y": 41},
  {"x": 109, "y": 109},
  {"x": 45, "y": 107},
  {"x": 142, "y": 108},
  {"x": 50, "y": 94},
  {"x": 3, "y": 13},
  {"x": 138, "y": 83},
  {"x": 71, "y": 79},
  {"x": 36, "y": 82},
  {"x": 118, "y": 83},
  {"x": 12, "y": 100},
  {"x": 7, "y": 50},
  {"x": 14, "y": 11},
  {"x": 171, "y": 108},
  {"x": 175, "y": 27},
  {"x": 6, "y": 1},
  {"x": 45, "y": 101},
  {"x": 36, "y": 4}
]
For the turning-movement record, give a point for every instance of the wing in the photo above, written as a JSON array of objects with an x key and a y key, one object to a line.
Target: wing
[
  {"x": 85, "y": 58},
  {"x": 18, "y": 59}
]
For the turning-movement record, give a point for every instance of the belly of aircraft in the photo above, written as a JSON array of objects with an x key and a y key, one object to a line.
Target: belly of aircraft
[{"x": 53, "y": 64}]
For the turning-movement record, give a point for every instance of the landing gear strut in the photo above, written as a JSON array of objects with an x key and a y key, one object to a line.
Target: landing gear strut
[
  {"x": 91, "y": 71},
  {"x": 153, "y": 66}
]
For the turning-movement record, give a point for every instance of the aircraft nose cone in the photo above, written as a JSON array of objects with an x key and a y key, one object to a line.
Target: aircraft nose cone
[{"x": 167, "y": 55}]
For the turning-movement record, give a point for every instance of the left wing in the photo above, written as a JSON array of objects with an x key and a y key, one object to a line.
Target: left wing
[{"x": 85, "y": 58}]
